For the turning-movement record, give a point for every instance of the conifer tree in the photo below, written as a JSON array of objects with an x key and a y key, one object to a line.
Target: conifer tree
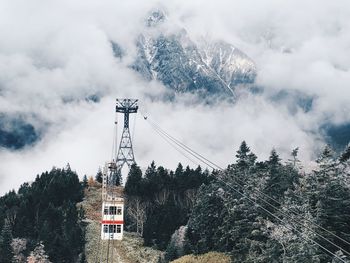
[
  {"x": 295, "y": 161},
  {"x": 6, "y": 251},
  {"x": 38, "y": 255},
  {"x": 206, "y": 218},
  {"x": 179, "y": 170},
  {"x": 345, "y": 155},
  {"x": 151, "y": 180},
  {"x": 85, "y": 182},
  {"x": 245, "y": 158},
  {"x": 326, "y": 162},
  {"x": 98, "y": 177},
  {"x": 280, "y": 178},
  {"x": 133, "y": 185}
]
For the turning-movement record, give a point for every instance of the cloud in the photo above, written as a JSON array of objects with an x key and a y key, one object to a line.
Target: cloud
[{"x": 55, "y": 54}]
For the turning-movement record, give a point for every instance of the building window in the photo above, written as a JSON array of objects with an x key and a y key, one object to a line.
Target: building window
[
  {"x": 105, "y": 228},
  {"x": 119, "y": 210},
  {"x": 105, "y": 210},
  {"x": 112, "y": 228},
  {"x": 119, "y": 228},
  {"x": 112, "y": 210}
]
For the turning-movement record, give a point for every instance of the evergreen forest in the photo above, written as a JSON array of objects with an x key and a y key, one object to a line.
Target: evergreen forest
[
  {"x": 255, "y": 211},
  {"x": 41, "y": 221}
]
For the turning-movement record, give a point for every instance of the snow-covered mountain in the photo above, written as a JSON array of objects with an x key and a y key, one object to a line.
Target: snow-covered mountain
[{"x": 213, "y": 67}]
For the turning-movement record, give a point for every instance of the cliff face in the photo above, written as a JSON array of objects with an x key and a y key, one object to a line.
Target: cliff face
[{"x": 183, "y": 65}]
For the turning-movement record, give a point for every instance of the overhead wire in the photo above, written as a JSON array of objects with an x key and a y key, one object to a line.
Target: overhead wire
[
  {"x": 185, "y": 149},
  {"x": 213, "y": 165},
  {"x": 114, "y": 138},
  {"x": 284, "y": 225},
  {"x": 263, "y": 194},
  {"x": 268, "y": 203},
  {"x": 176, "y": 148}
]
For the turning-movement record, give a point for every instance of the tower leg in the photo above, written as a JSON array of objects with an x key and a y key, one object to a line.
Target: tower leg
[{"x": 125, "y": 152}]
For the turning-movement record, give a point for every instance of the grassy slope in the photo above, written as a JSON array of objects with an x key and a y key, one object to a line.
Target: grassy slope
[
  {"x": 129, "y": 250},
  {"x": 210, "y": 257}
]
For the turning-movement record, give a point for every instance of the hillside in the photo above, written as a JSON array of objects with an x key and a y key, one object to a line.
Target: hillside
[
  {"x": 252, "y": 211},
  {"x": 129, "y": 250},
  {"x": 210, "y": 257}
]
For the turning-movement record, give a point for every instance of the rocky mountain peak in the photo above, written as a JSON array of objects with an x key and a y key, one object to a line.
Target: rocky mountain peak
[{"x": 155, "y": 18}]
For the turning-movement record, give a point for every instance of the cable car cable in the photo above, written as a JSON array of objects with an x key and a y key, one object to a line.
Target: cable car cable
[
  {"x": 179, "y": 142},
  {"x": 176, "y": 148},
  {"x": 265, "y": 195},
  {"x": 281, "y": 220},
  {"x": 288, "y": 216},
  {"x": 185, "y": 149}
]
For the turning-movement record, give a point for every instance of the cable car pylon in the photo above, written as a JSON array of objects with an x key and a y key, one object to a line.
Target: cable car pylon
[{"x": 112, "y": 223}]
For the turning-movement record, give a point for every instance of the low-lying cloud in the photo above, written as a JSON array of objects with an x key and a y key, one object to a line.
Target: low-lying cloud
[{"x": 54, "y": 55}]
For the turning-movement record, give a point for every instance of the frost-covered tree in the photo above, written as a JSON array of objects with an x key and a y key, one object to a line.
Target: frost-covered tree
[
  {"x": 343, "y": 258},
  {"x": 329, "y": 197},
  {"x": 207, "y": 216},
  {"x": 19, "y": 245},
  {"x": 345, "y": 155},
  {"x": 38, "y": 255},
  {"x": 279, "y": 179},
  {"x": 245, "y": 158},
  {"x": 177, "y": 245}
]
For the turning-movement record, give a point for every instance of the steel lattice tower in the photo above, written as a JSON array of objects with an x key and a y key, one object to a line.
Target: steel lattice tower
[{"x": 125, "y": 153}]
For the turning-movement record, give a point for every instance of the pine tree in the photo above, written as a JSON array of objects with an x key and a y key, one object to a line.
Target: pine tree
[
  {"x": 179, "y": 170},
  {"x": 38, "y": 255},
  {"x": 245, "y": 158},
  {"x": 206, "y": 218},
  {"x": 296, "y": 247},
  {"x": 85, "y": 183},
  {"x": 151, "y": 181},
  {"x": 328, "y": 194},
  {"x": 6, "y": 251},
  {"x": 133, "y": 185},
  {"x": 274, "y": 159},
  {"x": 295, "y": 161},
  {"x": 345, "y": 155},
  {"x": 241, "y": 171},
  {"x": 280, "y": 178},
  {"x": 326, "y": 160},
  {"x": 98, "y": 177},
  {"x": 45, "y": 210}
]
